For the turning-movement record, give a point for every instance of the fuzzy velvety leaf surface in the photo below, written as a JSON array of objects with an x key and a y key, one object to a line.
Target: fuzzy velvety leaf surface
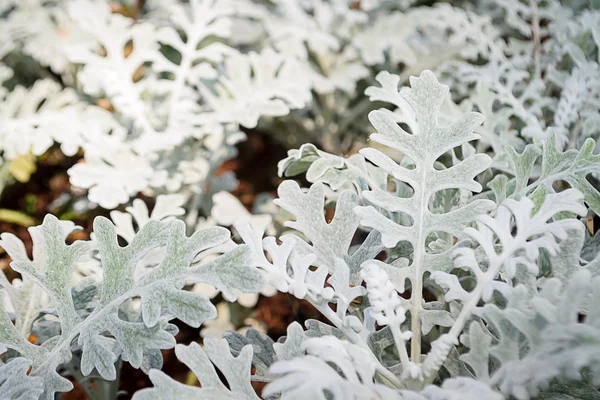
[
  {"x": 203, "y": 363},
  {"x": 16, "y": 384},
  {"x": 559, "y": 341},
  {"x": 104, "y": 335},
  {"x": 263, "y": 354},
  {"x": 422, "y": 145},
  {"x": 572, "y": 166}
]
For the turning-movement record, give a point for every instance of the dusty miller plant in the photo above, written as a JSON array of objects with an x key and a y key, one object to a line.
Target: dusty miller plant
[
  {"x": 99, "y": 324},
  {"x": 430, "y": 290},
  {"x": 456, "y": 265},
  {"x": 171, "y": 85}
]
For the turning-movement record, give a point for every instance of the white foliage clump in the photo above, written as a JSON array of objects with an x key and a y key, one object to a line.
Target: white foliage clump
[
  {"x": 46, "y": 39},
  {"x": 253, "y": 85},
  {"x": 520, "y": 250},
  {"x": 135, "y": 335},
  {"x": 367, "y": 351},
  {"x": 33, "y": 119},
  {"x": 448, "y": 259},
  {"x": 114, "y": 178},
  {"x": 173, "y": 84}
]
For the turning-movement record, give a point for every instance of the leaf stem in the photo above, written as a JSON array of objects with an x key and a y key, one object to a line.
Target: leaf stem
[
  {"x": 535, "y": 35},
  {"x": 400, "y": 344},
  {"x": 417, "y": 282}
]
